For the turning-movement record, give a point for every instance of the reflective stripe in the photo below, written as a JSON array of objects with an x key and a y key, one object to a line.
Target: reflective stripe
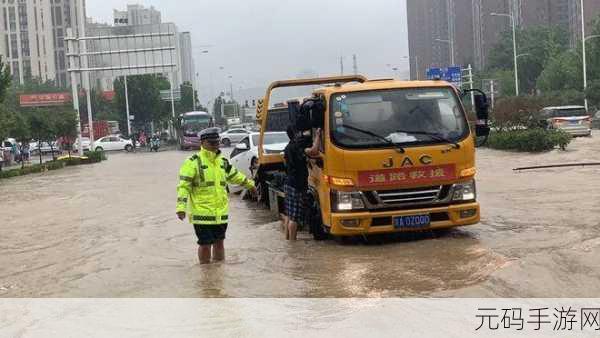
[
  {"x": 186, "y": 178},
  {"x": 182, "y": 200},
  {"x": 224, "y": 217},
  {"x": 206, "y": 184},
  {"x": 230, "y": 177},
  {"x": 200, "y": 169},
  {"x": 245, "y": 183},
  {"x": 223, "y": 184},
  {"x": 205, "y": 218}
]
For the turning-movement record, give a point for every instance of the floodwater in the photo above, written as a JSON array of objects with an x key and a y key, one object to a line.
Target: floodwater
[{"x": 109, "y": 230}]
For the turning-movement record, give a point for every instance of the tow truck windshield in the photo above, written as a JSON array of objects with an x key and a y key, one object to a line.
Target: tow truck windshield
[{"x": 401, "y": 116}]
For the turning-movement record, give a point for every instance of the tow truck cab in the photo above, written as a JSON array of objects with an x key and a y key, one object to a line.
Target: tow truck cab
[{"x": 395, "y": 156}]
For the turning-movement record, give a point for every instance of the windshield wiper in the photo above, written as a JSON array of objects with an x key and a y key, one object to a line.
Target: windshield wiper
[
  {"x": 434, "y": 136},
  {"x": 382, "y": 138}
]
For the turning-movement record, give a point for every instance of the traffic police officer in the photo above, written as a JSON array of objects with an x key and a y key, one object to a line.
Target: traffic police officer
[{"x": 202, "y": 190}]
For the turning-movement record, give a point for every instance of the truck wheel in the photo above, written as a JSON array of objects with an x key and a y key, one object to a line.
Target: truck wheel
[
  {"x": 262, "y": 193},
  {"x": 314, "y": 220}
]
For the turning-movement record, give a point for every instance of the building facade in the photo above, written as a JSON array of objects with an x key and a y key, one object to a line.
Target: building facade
[
  {"x": 137, "y": 15},
  {"x": 186, "y": 59},
  {"x": 474, "y": 31},
  {"x": 32, "y": 37}
]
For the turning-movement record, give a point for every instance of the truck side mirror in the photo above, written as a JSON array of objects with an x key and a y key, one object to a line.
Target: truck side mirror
[{"x": 482, "y": 106}]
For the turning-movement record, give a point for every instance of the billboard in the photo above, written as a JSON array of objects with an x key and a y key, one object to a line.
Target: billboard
[{"x": 44, "y": 99}]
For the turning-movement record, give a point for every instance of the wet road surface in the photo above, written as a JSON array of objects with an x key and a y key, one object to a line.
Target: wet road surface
[{"x": 109, "y": 230}]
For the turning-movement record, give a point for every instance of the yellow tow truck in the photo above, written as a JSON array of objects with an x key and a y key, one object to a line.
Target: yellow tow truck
[{"x": 396, "y": 155}]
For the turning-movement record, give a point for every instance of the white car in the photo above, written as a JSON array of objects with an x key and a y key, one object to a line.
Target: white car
[
  {"x": 44, "y": 147},
  {"x": 233, "y": 136},
  {"x": 85, "y": 144},
  {"x": 244, "y": 156},
  {"x": 113, "y": 142}
]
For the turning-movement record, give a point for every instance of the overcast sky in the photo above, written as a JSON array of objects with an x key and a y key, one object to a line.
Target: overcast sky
[{"x": 258, "y": 41}]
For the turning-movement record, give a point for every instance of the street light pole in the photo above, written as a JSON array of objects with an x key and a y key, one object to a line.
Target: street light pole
[
  {"x": 585, "y": 101},
  {"x": 514, "y": 33}
]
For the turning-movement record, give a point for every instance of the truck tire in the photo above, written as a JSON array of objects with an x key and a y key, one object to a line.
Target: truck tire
[
  {"x": 262, "y": 193},
  {"x": 314, "y": 220}
]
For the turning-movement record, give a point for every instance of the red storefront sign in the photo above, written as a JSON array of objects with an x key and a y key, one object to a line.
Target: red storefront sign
[
  {"x": 43, "y": 100},
  {"x": 411, "y": 175},
  {"x": 108, "y": 95}
]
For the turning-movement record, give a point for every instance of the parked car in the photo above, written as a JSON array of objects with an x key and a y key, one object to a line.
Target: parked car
[
  {"x": 574, "y": 120},
  {"x": 113, "y": 142},
  {"x": 44, "y": 148},
  {"x": 85, "y": 144},
  {"x": 245, "y": 154},
  {"x": 233, "y": 136},
  {"x": 596, "y": 120}
]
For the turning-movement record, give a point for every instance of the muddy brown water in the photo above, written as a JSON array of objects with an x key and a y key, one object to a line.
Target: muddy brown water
[{"x": 109, "y": 230}]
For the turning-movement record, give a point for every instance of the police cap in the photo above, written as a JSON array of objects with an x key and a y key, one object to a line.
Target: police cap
[{"x": 209, "y": 134}]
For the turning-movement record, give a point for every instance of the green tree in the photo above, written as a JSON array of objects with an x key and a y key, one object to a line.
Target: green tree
[
  {"x": 218, "y": 103},
  {"x": 42, "y": 128},
  {"x": 5, "y": 79},
  {"x": 144, "y": 98},
  {"x": 66, "y": 128},
  {"x": 536, "y": 46},
  {"x": 562, "y": 72}
]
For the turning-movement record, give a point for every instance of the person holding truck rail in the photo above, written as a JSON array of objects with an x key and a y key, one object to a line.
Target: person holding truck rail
[{"x": 296, "y": 184}]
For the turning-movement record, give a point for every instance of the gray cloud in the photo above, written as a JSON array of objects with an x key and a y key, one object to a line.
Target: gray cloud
[{"x": 257, "y": 41}]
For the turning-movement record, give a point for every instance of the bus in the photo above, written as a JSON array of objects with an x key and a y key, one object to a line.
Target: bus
[{"x": 191, "y": 124}]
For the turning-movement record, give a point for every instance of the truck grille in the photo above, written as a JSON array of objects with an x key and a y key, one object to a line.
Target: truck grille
[{"x": 422, "y": 195}]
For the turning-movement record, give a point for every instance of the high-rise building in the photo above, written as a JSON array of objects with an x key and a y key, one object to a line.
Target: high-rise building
[
  {"x": 474, "y": 31},
  {"x": 487, "y": 28},
  {"x": 186, "y": 58},
  {"x": 32, "y": 37},
  {"x": 136, "y": 15}
]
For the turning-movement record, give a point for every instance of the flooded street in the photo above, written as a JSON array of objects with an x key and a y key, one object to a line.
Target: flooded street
[{"x": 109, "y": 230}]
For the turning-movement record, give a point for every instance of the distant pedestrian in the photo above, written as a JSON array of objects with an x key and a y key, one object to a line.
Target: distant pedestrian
[
  {"x": 25, "y": 152},
  {"x": 296, "y": 184},
  {"x": 202, "y": 191},
  {"x": 134, "y": 137}
]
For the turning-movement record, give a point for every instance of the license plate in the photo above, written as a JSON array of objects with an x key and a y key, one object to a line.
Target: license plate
[
  {"x": 574, "y": 122},
  {"x": 418, "y": 221}
]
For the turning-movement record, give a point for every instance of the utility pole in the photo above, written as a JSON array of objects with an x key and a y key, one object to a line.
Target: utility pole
[
  {"x": 73, "y": 65},
  {"x": 450, "y": 9},
  {"x": 341, "y": 65},
  {"x": 85, "y": 74},
  {"x": 127, "y": 109},
  {"x": 354, "y": 64},
  {"x": 583, "y": 50},
  {"x": 492, "y": 93}
]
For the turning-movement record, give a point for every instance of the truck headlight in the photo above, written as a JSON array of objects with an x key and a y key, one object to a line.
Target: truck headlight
[
  {"x": 464, "y": 191},
  {"x": 347, "y": 201}
]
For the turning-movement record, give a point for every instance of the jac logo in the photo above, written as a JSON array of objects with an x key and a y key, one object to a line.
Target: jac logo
[{"x": 407, "y": 162}]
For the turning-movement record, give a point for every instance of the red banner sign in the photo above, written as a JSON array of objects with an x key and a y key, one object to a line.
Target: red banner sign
[
  {"x": 410, "y": 175},
  {"x": 42, "y": 100}
]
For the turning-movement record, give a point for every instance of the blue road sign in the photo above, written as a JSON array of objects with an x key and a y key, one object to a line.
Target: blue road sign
[{"x": 450, "y": 74}]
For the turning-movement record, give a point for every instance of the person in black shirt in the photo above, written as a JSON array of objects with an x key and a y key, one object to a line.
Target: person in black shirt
[{"x": 296, "y": 185}]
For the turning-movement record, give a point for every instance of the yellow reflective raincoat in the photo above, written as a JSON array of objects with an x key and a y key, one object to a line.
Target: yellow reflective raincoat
[{"x": 202, "y": 188}]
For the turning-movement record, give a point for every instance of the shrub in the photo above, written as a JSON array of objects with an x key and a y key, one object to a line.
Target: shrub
[
  {"x": 533, "y": 140},
  {"x": 94, "y": 156}
]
